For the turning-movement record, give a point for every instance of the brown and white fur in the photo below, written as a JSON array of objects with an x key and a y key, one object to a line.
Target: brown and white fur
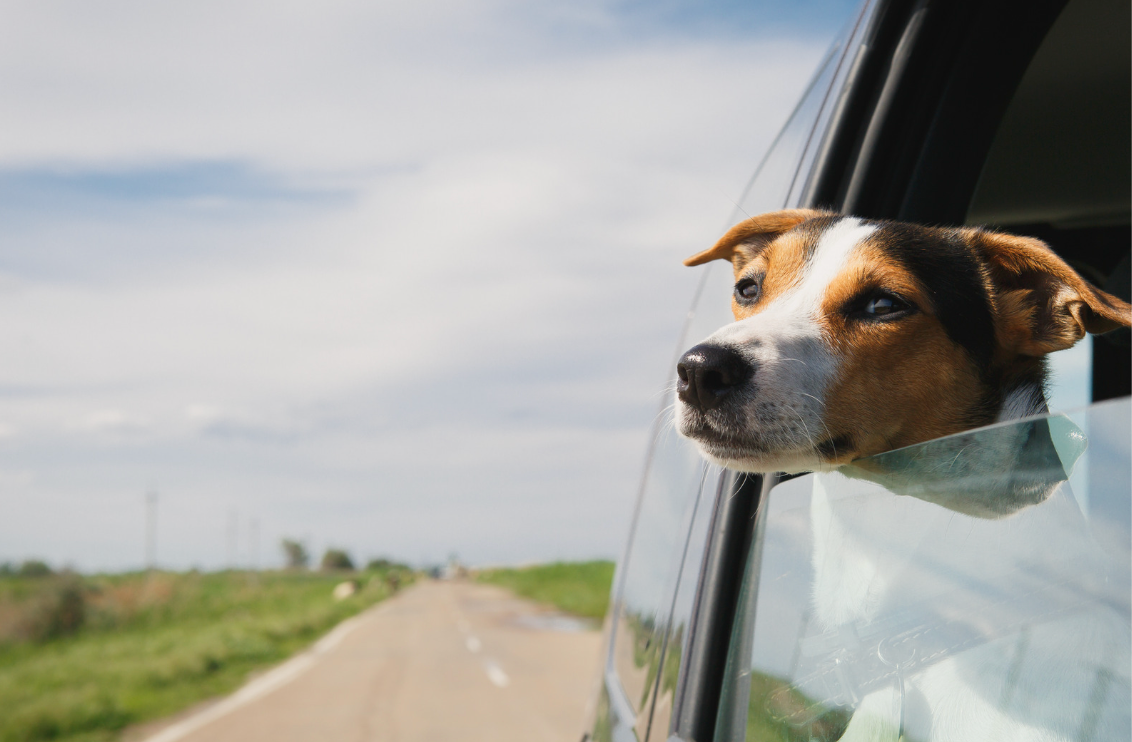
[{"x": 853, "y": 337}]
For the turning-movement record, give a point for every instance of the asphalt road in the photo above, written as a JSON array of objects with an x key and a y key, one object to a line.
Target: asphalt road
[{"x": 441, "y": 661}]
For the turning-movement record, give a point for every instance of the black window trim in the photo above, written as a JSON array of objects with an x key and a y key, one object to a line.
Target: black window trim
[{"x": 716, "y": 600}]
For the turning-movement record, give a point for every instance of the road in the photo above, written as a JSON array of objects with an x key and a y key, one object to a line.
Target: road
[{"x": 440, "y": 661}]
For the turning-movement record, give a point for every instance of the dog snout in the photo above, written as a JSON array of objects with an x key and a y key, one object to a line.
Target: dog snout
[{"x": 708, "y": 373}]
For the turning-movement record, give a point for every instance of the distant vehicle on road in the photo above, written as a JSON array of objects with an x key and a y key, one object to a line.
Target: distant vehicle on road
[{"x": 994, "y": 112}]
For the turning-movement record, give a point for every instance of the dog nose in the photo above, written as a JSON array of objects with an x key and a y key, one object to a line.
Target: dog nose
[{"x": 708, "y": 373}]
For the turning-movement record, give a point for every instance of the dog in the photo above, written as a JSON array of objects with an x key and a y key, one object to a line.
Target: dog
[{"x": 856, "y": 337}]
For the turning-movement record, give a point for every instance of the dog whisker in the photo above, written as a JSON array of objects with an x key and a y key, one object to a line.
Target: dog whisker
[{"x": 813, "y": 398}]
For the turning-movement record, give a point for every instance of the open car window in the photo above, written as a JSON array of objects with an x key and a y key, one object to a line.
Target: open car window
[{"x": 978, "y": 584}]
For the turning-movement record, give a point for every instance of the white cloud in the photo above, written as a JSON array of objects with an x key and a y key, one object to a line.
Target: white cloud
[
  {"x": 463, "y": 352},
  {"x": 109, "y": 421}
]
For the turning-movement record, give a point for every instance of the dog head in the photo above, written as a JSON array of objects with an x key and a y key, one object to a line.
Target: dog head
[{"x": 853, "y": 337}]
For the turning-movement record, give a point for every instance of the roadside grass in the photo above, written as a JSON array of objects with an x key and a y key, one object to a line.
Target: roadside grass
[
  {"x": 580, "y": 588},
  {"x": 146, "y": 645}
]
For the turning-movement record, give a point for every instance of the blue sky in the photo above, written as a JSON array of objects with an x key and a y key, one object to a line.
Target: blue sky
[{"x": 404, "y": 280}]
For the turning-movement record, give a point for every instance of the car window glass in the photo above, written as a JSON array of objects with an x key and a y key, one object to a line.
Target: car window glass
[
  {"x": 976, "y": 587},
  {"x": 773, "y": 180},
  {"x": 1069, "y": 383},
  {"x": 650, "y": 569},
  {"x": 849, "y": 51},
  {"x": 667, "y": 545},
  {"x": 683, "y": 604},
  {"x": 651, "y": 565},
  {"x": 662, "y": 531}
]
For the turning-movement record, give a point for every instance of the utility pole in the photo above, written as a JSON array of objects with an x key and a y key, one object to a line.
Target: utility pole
[{"x": 151, "y": 530}]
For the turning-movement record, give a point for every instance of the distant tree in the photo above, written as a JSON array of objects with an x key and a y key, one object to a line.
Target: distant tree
[
  {"x": 34, "y": 568},
  {"x": 295, "y": 554},
  {"x": 380, "y": 565},
  {"x": 337, "y": 559},
  {"x": 6, "y": 568}
]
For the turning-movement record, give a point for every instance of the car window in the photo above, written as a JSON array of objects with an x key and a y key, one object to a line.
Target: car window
[
  {"x": 978, "y": 584},
  {"x": 659, "y": 576},
  {"x": 651, "y": 565},
  {"x": 774, "y": 178},
  {"x": 662, "y": 533},
  {"x": 676, "y": 473},
  {"x": 659, "y": 560},
  {"x": 683, "y": 605}
]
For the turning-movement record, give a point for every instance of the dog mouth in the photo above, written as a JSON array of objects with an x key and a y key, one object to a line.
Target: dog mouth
[
  {"x": 729, "y": 444},
  {"x": 726, "y": 442}
]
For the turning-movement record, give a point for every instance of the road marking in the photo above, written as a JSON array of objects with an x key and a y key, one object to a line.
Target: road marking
[
  {"x": 496, "y": 675},
  {"x": 473, "y": 644}
]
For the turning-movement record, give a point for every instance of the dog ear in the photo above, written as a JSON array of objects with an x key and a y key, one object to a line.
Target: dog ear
[
  {"x": 757, "y": 231},
  {"x": 1043, "y": 304}
]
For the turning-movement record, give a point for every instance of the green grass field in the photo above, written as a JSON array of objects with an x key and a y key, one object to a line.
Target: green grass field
[
  {"x": 82, "y": 657},
  {"x": 580, "y": 588}
]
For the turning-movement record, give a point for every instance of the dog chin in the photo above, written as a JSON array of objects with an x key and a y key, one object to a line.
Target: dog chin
[
  {"x": 750, "y": 456},
  {"x": 732, "y": 445},
  {"x": 788, "y": 462}
]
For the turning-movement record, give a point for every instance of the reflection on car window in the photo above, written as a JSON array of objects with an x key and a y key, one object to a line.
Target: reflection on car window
[
  {"x": 774, "y": 178},
  {"x": 652, "y": 564},
  {"x": 683, "y": 604},
  {"x": 973, "y": 587}
]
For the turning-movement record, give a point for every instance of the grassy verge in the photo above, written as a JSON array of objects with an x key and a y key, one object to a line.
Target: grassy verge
[
  {"x": 580, "y": 588},
  {"x": 83, "y": 657}
]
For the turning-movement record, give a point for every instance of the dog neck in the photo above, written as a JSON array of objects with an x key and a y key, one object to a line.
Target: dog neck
[{"x": 1025, "y": 396}]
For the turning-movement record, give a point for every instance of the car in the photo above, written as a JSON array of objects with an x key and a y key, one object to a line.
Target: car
[{"x": 988, "y": 112}]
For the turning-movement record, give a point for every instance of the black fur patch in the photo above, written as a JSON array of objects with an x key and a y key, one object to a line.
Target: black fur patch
[
  {"x": 943, "y": 263},
  {"x": 832, "y": 447}
]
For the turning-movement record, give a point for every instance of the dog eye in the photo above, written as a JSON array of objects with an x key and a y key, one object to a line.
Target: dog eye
[
  {"x": 881, "y": 304},
  {"x": 747, "y": 290}
]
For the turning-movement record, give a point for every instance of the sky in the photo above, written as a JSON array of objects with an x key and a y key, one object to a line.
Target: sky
[{"x": 399, "y": 278}]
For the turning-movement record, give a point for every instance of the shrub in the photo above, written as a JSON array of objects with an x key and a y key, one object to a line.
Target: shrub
[
  {"x": 59, "y": 610},
  {"x": 295, "y": 554},
  {"x": 34, "y": 568},
  {"x": 337, "y": 559}
]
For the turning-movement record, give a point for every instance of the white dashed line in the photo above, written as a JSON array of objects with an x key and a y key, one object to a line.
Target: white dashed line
[
  {"x": 494, "y": 672},
  {"x": 496, "y": 675}
]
